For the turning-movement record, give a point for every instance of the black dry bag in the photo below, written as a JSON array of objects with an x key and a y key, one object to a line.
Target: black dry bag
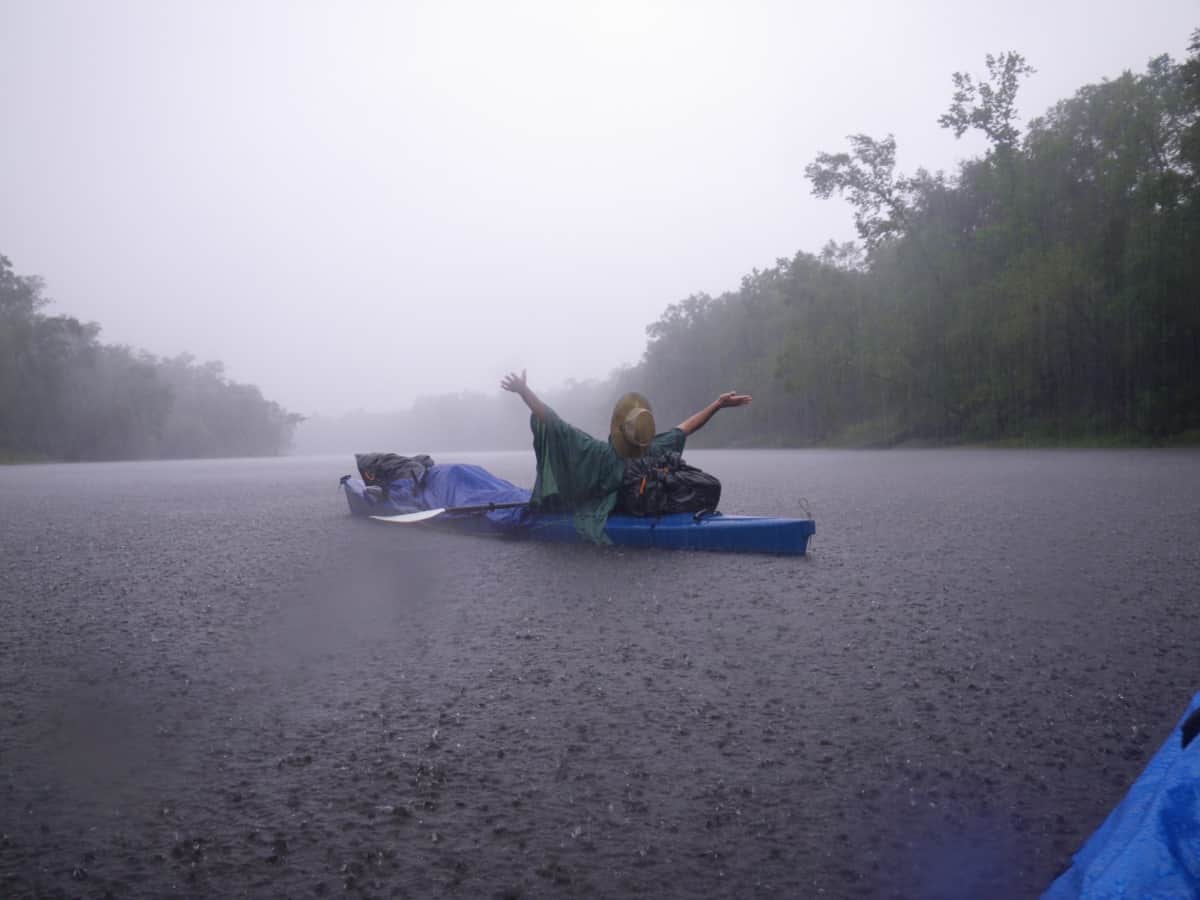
[
  {"x": 663, "y": 483},
  {"x": 381, "y": 469}
]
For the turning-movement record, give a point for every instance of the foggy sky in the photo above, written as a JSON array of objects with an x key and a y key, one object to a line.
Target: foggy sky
[{"x": 353, "y": 204}]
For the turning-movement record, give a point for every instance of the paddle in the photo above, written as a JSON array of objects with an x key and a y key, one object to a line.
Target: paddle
[{"x": 424, "y": 514}]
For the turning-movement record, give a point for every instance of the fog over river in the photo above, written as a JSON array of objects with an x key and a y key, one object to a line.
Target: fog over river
[{"x": 215, "y": 682}]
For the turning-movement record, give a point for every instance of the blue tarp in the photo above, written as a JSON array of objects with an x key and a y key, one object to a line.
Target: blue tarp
[
  {"x": 458, "y": 484},
  {"x": 1149, "y": 846}
]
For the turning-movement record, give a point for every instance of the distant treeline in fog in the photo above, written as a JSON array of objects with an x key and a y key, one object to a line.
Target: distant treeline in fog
[
  {"x": 467, "y": 421},
  {"x": 1049, "y": 290},
  {"x": 66, "y": 396}
]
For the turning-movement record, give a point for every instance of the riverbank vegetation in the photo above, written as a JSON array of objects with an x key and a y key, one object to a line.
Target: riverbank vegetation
[
  {"x": 66, "y": 396},
  {"x": 1046, "y": 292},
  {"x": 1049, "y": 290}
]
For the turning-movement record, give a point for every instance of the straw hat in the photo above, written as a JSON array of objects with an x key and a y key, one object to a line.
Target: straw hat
[{"x": 632, "y": 430}]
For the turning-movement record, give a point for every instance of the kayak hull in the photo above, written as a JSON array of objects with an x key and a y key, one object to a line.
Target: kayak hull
[{"x": 682, "y": 531}]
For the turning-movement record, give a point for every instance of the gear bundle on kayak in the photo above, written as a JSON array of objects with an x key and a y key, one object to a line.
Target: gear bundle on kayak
[{"x": 471, "y": 499}]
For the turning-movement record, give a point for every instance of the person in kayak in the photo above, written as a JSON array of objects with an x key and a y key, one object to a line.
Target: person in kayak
[{"x": 578, "y": 473}]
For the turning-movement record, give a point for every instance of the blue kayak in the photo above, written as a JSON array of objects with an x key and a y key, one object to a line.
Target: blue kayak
[
  {"x": 449, "y": 486},
  {"x": 1149, "y": 846}
]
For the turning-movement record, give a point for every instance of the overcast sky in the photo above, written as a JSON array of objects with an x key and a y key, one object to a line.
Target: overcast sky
[{"x": 351, "y": 204}]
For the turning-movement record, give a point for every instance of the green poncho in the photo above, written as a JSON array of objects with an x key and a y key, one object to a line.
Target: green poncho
[{"x": 577, "y": 473}]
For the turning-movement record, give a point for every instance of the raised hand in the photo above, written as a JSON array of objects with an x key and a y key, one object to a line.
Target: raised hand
[
  {"x": 730, "y": 398},
  {"x": 514, "y": 382},
  {"x": 519, "y": 386}
]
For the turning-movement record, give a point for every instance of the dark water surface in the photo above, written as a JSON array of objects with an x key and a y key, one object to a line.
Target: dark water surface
[{"x": 215, "y": 683}]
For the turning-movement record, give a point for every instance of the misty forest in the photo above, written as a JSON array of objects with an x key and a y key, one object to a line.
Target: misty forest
[
  {"x": 64, "y": 395},
  {"x": 1047, "y": 291},
  {"x": 1051, "y": 289}
]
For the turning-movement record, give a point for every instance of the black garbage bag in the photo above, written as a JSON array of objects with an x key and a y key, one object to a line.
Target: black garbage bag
[
  {"x": 663, "y": 483},
  {"x": 381, "y": 469}
]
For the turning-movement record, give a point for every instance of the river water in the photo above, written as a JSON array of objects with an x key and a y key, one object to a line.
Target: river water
[{"x": 214, "y": 682}]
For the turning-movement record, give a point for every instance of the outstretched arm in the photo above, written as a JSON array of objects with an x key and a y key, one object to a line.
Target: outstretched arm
[
  {"x": 696, "y": 421},
  {"x": 517, "y": 384}
]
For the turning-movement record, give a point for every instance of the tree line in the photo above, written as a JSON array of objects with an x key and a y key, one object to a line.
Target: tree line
[
  {"x": 64, "y": 395},
  {"x": 1048, "y": 290}
]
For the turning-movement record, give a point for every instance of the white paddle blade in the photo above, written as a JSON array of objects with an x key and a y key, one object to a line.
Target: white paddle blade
[{"x": 409, "y": 518}]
